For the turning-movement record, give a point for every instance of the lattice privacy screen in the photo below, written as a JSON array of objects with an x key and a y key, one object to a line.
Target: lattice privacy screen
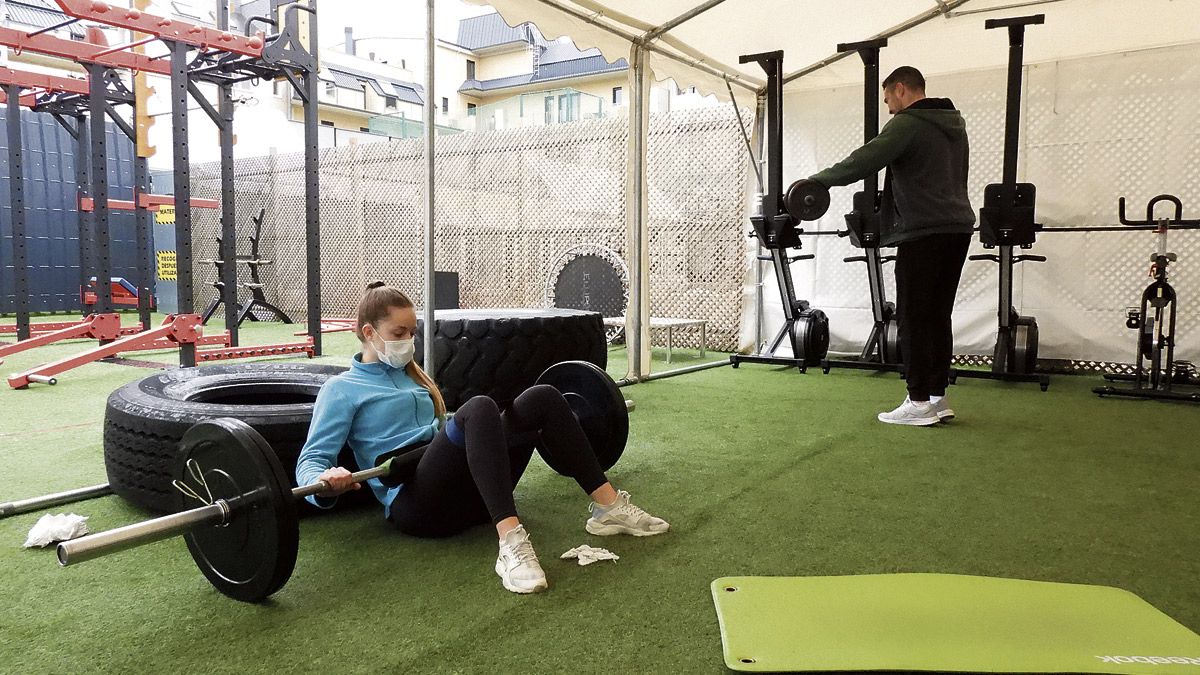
[
  {"x": 509, "y": 203},
  {"x": 1093, "y": 130}
]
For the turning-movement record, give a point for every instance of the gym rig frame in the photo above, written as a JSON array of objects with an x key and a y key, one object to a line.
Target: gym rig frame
[{"x": 221, "y": 58}]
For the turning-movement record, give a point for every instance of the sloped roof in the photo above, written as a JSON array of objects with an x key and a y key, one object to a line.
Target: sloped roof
[
  {"x": 549, "y": 72},
  {"x": 40, "y": 14},
  {"x": 490, "y": 30},
  {"x": 352, "y": 78}
]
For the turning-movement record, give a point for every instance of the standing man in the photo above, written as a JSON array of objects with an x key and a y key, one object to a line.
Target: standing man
[{"x": 926, "y": 214}]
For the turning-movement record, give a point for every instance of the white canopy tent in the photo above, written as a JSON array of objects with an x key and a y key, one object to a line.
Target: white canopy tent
[{"x": 698, "y": 43}]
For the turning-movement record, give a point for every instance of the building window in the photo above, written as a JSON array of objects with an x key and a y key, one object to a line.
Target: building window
[
  {"x": 568, "y": 107},
  {"x": 330, "y": 89},
  {"x": 365, "y": 130},
  {"x": 471, "y": 109},
  {"x": 389, "y": 102},
  {"x": 445, "y": 106},
  {"x": 470, "y": 69},
  {"x": 326, "y": 123},
  {"x": 618, "y": 95}
]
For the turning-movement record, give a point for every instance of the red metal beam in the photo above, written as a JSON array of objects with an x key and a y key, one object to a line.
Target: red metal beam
[
  {"x": 163, "y": 27},
  {"x": 179, "y": 329},
  {"x": 251, "y": 351},
  {"x": 149, "y": 201},
  {"x": 96, "y": 327},
  {"x": 30, "y": 80},
  {"x": 83, "y": 52},
  {"x": 27, "y": 100}
]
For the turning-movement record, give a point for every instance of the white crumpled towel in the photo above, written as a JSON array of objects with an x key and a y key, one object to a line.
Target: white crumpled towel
[
  {"x": 51, "y": 528},
  {"x": 588, "y": 555}
]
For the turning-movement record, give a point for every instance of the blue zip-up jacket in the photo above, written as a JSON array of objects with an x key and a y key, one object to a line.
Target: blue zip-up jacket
[{"x": 375, "y": 409}]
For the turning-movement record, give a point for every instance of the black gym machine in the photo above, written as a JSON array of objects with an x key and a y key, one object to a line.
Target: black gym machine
[
  {"x": 882, "y": 349},
  {"x": 775, "y": 226},
  {"x": 1006, "y": 221}
]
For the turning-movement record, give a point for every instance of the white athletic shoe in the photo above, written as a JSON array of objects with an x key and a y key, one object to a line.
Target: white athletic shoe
[
  {"x": 912, "y": 413},
  {"x": 622, "y": 517},
  {"x": 944, "y": 412},
  {"x": 518, "y": 565}
]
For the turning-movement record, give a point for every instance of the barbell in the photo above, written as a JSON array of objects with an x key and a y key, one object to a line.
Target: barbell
[{"x": 246, "y": 536}]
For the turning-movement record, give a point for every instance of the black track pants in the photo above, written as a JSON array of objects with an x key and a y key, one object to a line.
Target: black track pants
[
  {"x": 455, "y": 487},
  {"x": 927, "y": 275}
]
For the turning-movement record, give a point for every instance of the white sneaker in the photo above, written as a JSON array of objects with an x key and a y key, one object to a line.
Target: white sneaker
[
  {"x": 944, "y": 412},
  {"x": 518, "y": 565},
  {"x": 912, "y": 413},
  {"x": 622, "y": 517}
]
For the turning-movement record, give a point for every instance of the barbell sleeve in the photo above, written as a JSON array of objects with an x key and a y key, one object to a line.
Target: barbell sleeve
[
  {"x": 146, "y": 532},
  {"x": 47, "y": 501}
]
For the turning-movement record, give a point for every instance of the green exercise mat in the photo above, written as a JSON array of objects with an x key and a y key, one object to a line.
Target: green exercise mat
[{"x": 945, "y": 623}]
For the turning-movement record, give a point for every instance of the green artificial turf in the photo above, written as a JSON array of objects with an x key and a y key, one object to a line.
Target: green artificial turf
[{"x": 761, "y": 471}]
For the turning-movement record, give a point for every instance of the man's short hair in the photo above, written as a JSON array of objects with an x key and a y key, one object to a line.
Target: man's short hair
[{"x": 908, "y": 76}]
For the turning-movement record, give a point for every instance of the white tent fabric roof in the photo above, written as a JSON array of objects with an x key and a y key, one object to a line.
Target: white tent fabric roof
[{"x": 703, "y": 50}]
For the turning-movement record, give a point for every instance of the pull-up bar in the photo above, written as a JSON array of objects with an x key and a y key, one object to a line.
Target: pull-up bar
[
  {"x": 163, "y": 27},
  {"x": 83, "y": 52}
]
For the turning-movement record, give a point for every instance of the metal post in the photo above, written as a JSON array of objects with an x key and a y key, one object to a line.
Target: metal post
[
  {"x": 635, "y": 330},
  {"x": 145, "y": 254},
  {"x": 228, "y": 252},
  {"x": 1012, "y": 115},
  {"x": 758, "y": 141},
  {"x": 312, "y": 187},
  {"x": 16, "y": 181},
  {"x": 183, "y": 190},
  {"x": 82, "y": 180},
  {"x": 97, "y": 100},
  {"x": 430, "y": 135}
]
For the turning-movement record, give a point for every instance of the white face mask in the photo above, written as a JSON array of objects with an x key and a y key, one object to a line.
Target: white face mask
[{"x": 396, "y": 353}]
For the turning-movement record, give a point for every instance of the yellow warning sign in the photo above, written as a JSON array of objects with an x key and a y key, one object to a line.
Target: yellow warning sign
[
  {"x": 165, "y": 215},
  {"x": 167, "y": 269}
]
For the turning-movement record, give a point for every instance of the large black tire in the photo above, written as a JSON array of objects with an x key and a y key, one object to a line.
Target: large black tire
[
  {"x": 501, "y": 352},
  {"x": 145, "y": 420}
]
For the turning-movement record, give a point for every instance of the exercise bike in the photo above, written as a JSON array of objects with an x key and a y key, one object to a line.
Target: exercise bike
[{"x": 1156, "y": 372}]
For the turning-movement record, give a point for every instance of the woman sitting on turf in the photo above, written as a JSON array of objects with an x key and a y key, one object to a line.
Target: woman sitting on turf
[{"x": 468, "y": 472}]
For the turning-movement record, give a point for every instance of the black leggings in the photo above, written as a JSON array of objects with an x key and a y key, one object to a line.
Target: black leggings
[
  {"x": 454, "y": 488},
  {"x": 927, "y": 275}
]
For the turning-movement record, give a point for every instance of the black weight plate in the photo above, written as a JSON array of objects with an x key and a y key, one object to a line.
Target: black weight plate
[
  {"x": 1025, "y": 345},
  {"x": 891, "y": 342},
  {"x": 812, "y": 332},
  {"x": 806, "y": 200},
  {"x": 254, "y": 553},
  {"x": 597, "y": 403}
]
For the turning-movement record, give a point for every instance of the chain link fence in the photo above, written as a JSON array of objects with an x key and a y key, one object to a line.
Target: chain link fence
[{"x": 509, "y": 204}]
